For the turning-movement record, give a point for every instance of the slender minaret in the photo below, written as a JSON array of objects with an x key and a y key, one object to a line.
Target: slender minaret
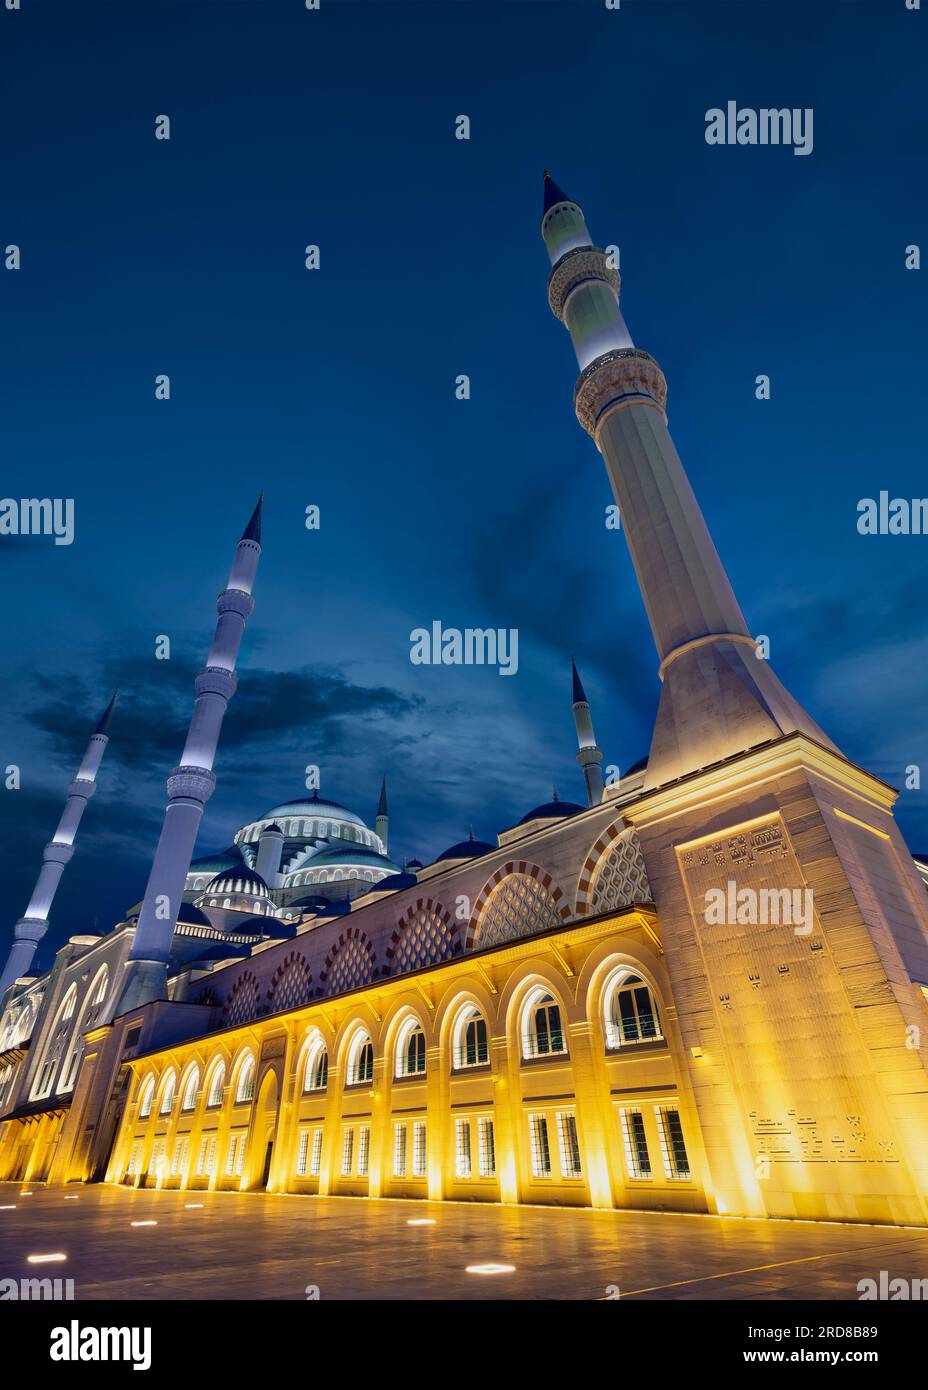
[
  {"x": 382, "y": 821},
  {"x": 30, "y": 929},
  {"x": 590, "y": 755},
  {"x": 193, "y": 782},
  {"x": 719, "y": 698}
]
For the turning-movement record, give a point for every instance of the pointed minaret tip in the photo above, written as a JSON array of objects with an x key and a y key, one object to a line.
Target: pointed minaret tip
[
  {"x": 103, "y": 723},
  {"x": 382, "y": 803},
  {"x": 252, "y": 531},
  {"x": 553, "y": 194},
  {"x": 579, "y": 692}
]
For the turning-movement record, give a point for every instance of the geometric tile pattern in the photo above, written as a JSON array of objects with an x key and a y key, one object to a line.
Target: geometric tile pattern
[
  {"x": 349, "y": 964},
  {"x": 425, "y": 934},
  {"x": 613, "y": 874},
  {"x": 242, "y": 1003},
  {"x": 519, "y": 900},
  {"x": 291, "y": 984}
]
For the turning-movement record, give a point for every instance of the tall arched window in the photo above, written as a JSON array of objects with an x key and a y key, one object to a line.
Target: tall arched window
[
  {"x": 316, "y": 1075},
  {"x": 471, "y": 1046},
  {"x": 631, "y": 1012},
  {"x": 542, "y": 1030},
  {"x": 216, "y": 1082},
  {"x": 361, "y": 1061},
  {"x": 410, "y": 1049},
  {"x": 191, "y": 1086},
  {"x": 146, "y": 1096},
  {"x": 245, "y": 1090},
  {"x": 167, "y": 1095}
]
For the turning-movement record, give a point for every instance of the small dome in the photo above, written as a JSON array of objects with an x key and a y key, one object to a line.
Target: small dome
[
  {"x": 325, "y": 907},
  {"x": 552, "y": 810},
  {"x": 414, "y": 864},
  {"x": 350, "y": 854},
  {"x": 393, "y": 882},
  {"x": 272, "y": 829},
  {"x": 238, "y": 882},
  {"x": 466, "y": 849}
]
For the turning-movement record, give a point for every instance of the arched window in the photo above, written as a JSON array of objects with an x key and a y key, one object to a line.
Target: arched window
[
  {"x": 631, "y": 1013},
  {"x": 316, "y": 1076},
  {"x": 102, "y": 985},
  {"x": 216, "y": 1083},
  {"x": 245, "y": 1090},
  {"x": 191, "y": 1087},
  {"x": 410, "y": 1049},
  {"x": 167, "y": 1095},
  {"x": 146, "y": 1096},
  {"x": 70, "y": 1000},
  {"x": 471, "y": 1047},
  {"x": 361, "y": 1061},
  {"x": 542, "y": 1030}
]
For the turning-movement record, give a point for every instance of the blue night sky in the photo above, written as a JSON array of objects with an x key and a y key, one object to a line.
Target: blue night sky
[{"x": 336, "y": 387}]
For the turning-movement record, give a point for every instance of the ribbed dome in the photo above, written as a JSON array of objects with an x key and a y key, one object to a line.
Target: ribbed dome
[
  {"x": 235, "y": 881},
  {"x": 215, "y": 863}
]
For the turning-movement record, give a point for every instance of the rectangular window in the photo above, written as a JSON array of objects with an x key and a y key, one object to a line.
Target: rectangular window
[
  {"x": 230, "y": 1159},
  {"x": 179, "y": 1158},
  {"x": 156, "y": 1160},
  {"x": 207, "y": 1153},
  {"x": 364, "y": 1151},
  {"x": 347, "y": 1153},
  {"x": 541, "y": 1153},
  {"x": 135, "y": 1159},
  {"x": 462, "y": 1148},
  {"x": 399, "y": 1151},
  {"x": 418, "y": 1149},
  {"x": 569, "y": 1146},
  {"x": 673, "y": 1149},
  {"x": 316, "y": 1160},
  {"x": 636, "y": 1144},
  {"x": 302, "y": 1153},
  {"x": 487, "y": 1148}
]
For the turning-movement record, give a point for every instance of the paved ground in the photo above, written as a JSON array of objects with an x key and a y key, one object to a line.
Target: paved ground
[{"x": 253, "y": 1246}]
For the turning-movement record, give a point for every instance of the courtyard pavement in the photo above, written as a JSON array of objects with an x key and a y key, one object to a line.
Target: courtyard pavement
[{"x": 260, "y": 1246}]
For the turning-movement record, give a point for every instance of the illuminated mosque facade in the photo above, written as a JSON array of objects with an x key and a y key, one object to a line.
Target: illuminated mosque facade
[{"x": 552, "y": 1018}]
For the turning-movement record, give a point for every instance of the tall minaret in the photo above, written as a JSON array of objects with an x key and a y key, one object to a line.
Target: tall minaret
[
  {"x": 590, "y": 755},
  {"x": 382, "y": 821},
  {"x": 719, "y": 698},
  {"x": 30, "y": 929},
  {"x": 192, "y": 783}
]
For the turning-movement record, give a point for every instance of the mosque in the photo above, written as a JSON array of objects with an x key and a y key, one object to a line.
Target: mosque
[{"x": 551, "y": 1018}]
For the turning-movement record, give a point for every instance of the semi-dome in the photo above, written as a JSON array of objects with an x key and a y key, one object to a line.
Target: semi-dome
[
  {"x": 215, "y": 863},
  {"x": 313, "y": 806},
  {"x": 393, "y": 882},
  {"x": 350, "y": 854},
  {"x": 192, "y": 916},
  {"x": 552, "y": 810}
]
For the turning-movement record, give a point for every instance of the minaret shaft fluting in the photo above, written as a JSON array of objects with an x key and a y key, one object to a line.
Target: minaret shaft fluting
[
  {"x": 719, "y": 697},
  {"x": 30, "y": 929},
  {"x": 192, "y": 783}
]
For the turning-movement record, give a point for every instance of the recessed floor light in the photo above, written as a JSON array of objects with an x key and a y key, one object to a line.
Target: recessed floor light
[
  {"x": 45, "y": 1259},
  {"x": 143, "y": 1223},
  {"x": 490, "y": 1269},
  {"x": 25, "y": 1194},
  {"x": 72, "y": 1199},
  {"x": 192, "y": 1206},
  {"x": 10, "y": 1208},
  {"x": 421, "y": 1221}
]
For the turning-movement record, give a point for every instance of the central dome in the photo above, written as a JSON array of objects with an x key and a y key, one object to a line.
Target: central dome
[{"x": 314, "y": 805}]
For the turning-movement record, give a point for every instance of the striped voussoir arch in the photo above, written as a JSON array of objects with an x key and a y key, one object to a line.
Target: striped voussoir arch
[
  {"x": 585, "y": 881},
  {"x": 503, "y": 872}
]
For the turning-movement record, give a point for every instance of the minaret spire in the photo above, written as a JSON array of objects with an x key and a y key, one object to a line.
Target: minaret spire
[
  {"x": 193, "y": 782},
  {"x": 589, "y": 756},
  {"x": 382, "y": 822},
  {"x": 718, "y": 697},
  {"x": 30, "y": 929}
]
